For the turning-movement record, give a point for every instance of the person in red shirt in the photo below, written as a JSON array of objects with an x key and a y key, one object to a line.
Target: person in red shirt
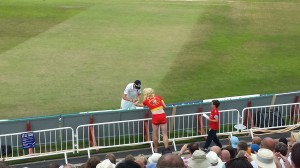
[
  {"x": 156, "y": 105},
  {"x": 213, "y": 125}
]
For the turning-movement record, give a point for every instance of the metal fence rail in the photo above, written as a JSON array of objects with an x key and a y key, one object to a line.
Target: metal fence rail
[
  {"x": 46, "y": 142},
  {"x": 136, "y": 132},
  {"x": 195, "y": 125},
  {"x": 112, "y": 134},
  {"x": 271, "y": 117}
]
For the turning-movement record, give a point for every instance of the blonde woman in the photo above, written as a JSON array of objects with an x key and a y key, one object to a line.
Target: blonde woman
[{"x": 156, "y": 105}]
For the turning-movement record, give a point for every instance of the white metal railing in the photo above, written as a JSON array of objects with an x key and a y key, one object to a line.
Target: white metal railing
[
  {"x": 46, "y": 142},
  {"x": 195, "y": 125},
  {"x": 113, "y": 134},
  {"x": 133, "y": 132},
  {"x": 272, "y": 116}
]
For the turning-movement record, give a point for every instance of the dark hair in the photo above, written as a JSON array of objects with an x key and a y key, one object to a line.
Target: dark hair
[
  {"x": 128, "y": 164},
  {"x": 242, "y": 145},
  {"x": 170, "y": 160},
  {"x": 283, "y": 140},
  {"x": 83, "y": 165},
  {"x": 4, "y": 165},
  {"x": 111, "y": 157},
  {"x": 216, "y": 103},
  {"x": 52, "y": 165},
  {"x": 295, "y": 153},
  {"x": 193, "y": 146},
  {"x": 92, "y": 162},
  {"x": 282, "y": 148},
  {"x": 166, "y": 151},
  {"x": 129, "y": 157},
  {"x": 232, "y": 151},
  {"x": 240, "y": 162}
]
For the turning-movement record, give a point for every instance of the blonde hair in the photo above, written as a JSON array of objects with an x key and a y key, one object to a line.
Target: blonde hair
[{"x": 148, "y": 92}]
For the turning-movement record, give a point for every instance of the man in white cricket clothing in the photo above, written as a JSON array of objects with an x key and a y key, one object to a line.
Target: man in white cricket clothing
[{"x": 131, "y": 95}]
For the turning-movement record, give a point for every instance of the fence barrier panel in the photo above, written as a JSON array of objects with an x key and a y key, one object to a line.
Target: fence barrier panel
[
  {"x": 132, "y": 132},
  {"x": 47, "y": 142},
  {"x": 272, "y": 116},
  {"x": 187, "y": 126},
  {"x": 113, "y": 134}
]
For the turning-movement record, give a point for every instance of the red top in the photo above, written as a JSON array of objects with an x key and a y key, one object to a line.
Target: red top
[
  {"x": 153, "y": 102},
  {"x": 214, "y": 114}
]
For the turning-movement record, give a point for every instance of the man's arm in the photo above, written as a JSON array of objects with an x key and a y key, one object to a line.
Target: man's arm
[{"x": 126, "y": 98}]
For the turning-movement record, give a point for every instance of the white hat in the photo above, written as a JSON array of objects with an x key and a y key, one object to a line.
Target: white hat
[
  {"x": 214, "y": 160},
  {"x": 198, "y": 159},
  {"x": 105, "y": 164},
  {"x": 264, "y": 158},
  {"x": 154, "y": 158}
]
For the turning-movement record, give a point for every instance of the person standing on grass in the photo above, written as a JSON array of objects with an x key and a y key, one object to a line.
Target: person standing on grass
[
  {"x": 131, "y": 95},
  {"x": 156, "y": 106},
  {"x": 213, "y": 125}
]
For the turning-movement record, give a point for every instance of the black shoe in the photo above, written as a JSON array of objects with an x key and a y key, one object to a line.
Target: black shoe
[{"x": 204, "y": 150}]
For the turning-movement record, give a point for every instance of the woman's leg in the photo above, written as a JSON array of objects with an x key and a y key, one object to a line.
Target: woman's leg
[
  {"x": 155, "y": 137},
  {"x": 165, "y": 135}
]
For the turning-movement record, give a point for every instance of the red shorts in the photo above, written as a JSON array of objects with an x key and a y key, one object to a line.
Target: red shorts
[{"x": 159, "y": 119}]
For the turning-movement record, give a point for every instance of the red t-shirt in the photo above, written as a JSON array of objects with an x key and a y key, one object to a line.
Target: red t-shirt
[
  {"x": 153, "y": 102},
  {"x": 214, "y": 114}
]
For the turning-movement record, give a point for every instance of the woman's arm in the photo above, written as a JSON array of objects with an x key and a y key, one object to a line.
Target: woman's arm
[
  {"x": 163, "y": 103},
  {"x": 139, "y": 104}
]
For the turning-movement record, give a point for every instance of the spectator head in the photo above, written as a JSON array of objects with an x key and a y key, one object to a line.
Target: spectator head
[
  {"x": 283, "y": 140},
  {"x": 192, "y": 147},
  {"x": 240, "y": 162},
  {"x": 213, "y": 160},
  {"x": 232, "y": 151},
  {"x": 4, "y": 165},
  {"x": 281, "y": 148},
  {"x": 198, "y": 159},
  {"x": 268, "y": 143},
  {"x": 52, "y": 165},
  {"x": 129, "y": 157},
  {"x": 154, "y": 158},
  {"x": 170, "y": 160},
  {"x": 254, "y": 148},
  {"x": 241, "y": 153},
  {"x": 256, "y": 140},
  {"x": 295, "y": 137},
  {"x": 295, "y": 153},
  {"x": 242, "y": 145},
  {"x": 92, "y": 162},
  {"x": 128, "y": 164},
  {"x": 215, "y": 103},
  {"x": 69, "y": 166},
  {"x": 264, "y": 158},
  {"x": 142, "y": 158},
  {"x": 111, "y": 157},
  {"x": 166, "y": 151},
  {"x": 105, "y": 164},
  {"x": 225, "y": 155},
  {"x": 140, "y": 162},
  {"x": 234, "y": 141},
  {"x": 216, "y": 149}
]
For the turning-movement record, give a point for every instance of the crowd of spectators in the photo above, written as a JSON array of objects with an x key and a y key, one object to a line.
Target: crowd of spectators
[{"x": 260, "y": 153}]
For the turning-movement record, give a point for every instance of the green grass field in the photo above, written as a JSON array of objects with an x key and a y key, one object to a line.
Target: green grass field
[{"x": 67, "y": 56}]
